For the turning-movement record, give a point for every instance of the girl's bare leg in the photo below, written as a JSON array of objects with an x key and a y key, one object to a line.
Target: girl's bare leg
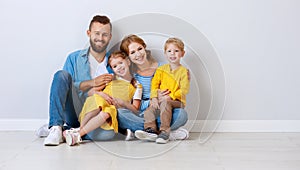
[
  {"x": 94, "y": 123},
  {"x": 88, "y": 116}
]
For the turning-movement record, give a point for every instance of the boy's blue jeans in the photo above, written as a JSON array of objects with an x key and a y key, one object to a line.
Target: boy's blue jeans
[{"x": 62, "y": 106}]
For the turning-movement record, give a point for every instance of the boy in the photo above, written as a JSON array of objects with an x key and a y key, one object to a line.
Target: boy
[{"x": 172, "y": 78}]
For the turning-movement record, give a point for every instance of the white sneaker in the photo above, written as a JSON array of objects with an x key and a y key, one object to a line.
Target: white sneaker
[
  {"x": 72, "y": 130},
  {"x": 129, "y": 135},
  {"x": 142, "y": 135},
  {"x": 73, "y": 138},
  {"x": 55, "y": 136},
  {"x": 162, "y": 138},
  {"x": 43, "y": 131},
  {"x": 179, "y": 134}
]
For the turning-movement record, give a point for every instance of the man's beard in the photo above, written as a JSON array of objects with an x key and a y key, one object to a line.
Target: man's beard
[{"x": 98, "y": 49}]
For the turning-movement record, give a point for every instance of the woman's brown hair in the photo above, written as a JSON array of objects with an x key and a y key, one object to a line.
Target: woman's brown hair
[{"x": 134, "y": 38}]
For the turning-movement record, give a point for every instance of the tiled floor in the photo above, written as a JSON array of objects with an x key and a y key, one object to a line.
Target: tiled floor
[{"x": 223, "y": 151}]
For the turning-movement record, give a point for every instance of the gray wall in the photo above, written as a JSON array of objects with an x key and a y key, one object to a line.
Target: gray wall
[{"x": 257, "y": 43}]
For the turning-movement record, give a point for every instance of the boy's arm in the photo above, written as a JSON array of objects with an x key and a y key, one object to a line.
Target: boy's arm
[
  {"x": 155, "y": 83},
  {"x": 184, "y": 86}
]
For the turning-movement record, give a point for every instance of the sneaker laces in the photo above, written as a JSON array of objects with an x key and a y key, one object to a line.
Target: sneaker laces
[
  {"x": 53, "y": 131},
  {"x": 150, "y": 130}
]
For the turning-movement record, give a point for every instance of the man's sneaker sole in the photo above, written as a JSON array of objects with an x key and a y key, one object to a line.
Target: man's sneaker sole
[
  {"x": 43, "y": 131},
  {"x": 142, "y": 135},
  {"x": 55, "y": 137},
  {"x": 51, "y": 143}
]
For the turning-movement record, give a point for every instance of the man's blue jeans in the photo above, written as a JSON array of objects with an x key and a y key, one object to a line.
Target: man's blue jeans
[
  {"x": 128, "y": 120},
  {"x": 62, "y": 111}
]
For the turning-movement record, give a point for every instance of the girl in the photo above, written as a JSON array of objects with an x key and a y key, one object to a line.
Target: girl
[{"x": 100, "y": 108}]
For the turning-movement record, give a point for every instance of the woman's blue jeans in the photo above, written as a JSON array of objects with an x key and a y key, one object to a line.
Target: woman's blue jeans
[
  {"x": 62, "y": 109},
  {"x": 128, "y": 120}
]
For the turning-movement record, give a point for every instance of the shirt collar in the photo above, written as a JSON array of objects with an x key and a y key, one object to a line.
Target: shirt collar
[{"x": 85, "y": 53}]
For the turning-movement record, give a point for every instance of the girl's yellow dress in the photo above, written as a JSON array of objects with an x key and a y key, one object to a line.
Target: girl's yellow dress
[{"x": 118, "y": 89}]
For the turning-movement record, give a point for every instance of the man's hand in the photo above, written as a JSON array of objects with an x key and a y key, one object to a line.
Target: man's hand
[
  {"x": 102, "y": 80},
  {"x": 96, "y": 84}
]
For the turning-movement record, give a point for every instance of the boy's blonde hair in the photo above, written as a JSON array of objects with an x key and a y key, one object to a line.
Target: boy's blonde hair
[{"x": 175, "y": 41}]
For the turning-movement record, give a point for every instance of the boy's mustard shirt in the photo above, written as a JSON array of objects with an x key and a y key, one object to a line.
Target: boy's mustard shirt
[{"x": 175, "y": 81}]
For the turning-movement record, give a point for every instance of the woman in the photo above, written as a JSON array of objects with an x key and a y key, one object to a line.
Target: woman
[{"x": 143, "y": 67}]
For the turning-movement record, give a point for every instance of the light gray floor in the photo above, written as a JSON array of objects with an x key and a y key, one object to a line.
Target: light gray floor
[{"x": 223, "y": 151}]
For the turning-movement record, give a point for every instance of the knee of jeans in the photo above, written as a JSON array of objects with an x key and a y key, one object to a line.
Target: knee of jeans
[
  {"x": 62, "y": 75},
  {"x": 120, "y": 114},
  {"x": 181, "y": 114},
  {"x": 101, "y": 135}
]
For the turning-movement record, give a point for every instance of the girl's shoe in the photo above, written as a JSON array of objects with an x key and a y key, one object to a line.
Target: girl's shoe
[{"x": 73, "y": 138}]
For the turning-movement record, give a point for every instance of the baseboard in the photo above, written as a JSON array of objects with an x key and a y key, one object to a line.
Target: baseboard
[
  {"x": 192, "y": 125},
  {"x": 21, "y": 124},
  {"x": 244, "y": 126}
]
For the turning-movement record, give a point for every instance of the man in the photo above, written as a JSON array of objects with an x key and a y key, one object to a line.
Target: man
[{"x": 84, "y": 72}]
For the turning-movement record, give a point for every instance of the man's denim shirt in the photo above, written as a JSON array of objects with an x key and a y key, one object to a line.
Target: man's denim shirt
[{"x": 77, "y": 64}]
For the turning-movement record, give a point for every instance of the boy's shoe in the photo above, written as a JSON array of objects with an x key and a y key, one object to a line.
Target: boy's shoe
[
  {"x": 129, "y": 135},
  {"x": 43, "y": 131},
  {"x": 55, "y": 136},
  {"x": 162, "y": 138},
  {"x": 148, "y": 135},
  {"x": 73, "y": 138},
  {"x": 179, "y": 134}
]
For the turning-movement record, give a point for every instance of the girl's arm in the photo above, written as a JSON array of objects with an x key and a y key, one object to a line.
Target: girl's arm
[
  {"x": 134, "y": 106},
  {"x": 94, "y": 90},
  {"x": 107, "y": 97}
]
